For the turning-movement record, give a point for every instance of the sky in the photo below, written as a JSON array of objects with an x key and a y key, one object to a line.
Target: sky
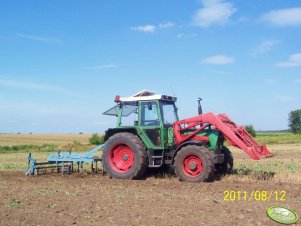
[{"x": 63, "y": 62}]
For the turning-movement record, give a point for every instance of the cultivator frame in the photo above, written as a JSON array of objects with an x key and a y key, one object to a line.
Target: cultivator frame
[{"x": 64, "y": 162}]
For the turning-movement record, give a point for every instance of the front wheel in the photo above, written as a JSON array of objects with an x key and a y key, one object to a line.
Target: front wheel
[{"x": 194, "y": 163}]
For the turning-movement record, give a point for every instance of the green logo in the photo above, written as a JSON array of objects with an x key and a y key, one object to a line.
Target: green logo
[{"x": 282, "y": 215}]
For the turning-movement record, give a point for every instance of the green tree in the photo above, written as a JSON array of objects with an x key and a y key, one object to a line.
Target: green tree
[
  {"x": 96, "y": 139},
  {"x": 294, "y": 121},
  {"x": 250, "y": 129}
]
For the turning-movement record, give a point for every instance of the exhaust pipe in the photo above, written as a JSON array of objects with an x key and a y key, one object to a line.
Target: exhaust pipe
[{"x": 200, "y": 111}]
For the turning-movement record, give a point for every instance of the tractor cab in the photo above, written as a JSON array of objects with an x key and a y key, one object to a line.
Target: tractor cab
[{"x": 148, "y": 114}]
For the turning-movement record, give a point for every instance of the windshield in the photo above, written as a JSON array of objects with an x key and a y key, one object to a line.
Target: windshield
[{"x": 169, "y": 113}]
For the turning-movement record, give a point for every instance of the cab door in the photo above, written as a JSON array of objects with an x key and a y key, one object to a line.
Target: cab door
[{"x": 151, "y": 123}]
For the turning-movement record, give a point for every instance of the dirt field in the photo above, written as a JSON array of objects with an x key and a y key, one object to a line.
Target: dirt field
[
  {"x": 97, "y": 200},
  {"x": 90, "y": 199}
]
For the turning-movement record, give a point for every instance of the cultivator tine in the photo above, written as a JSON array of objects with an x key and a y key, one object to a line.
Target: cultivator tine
[{"x": 57, "y": 167}]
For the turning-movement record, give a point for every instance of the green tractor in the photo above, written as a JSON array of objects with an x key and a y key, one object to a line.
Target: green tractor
[{"x": 149, "y": 134}]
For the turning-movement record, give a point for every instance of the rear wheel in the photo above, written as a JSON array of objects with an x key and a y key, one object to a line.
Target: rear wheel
[
  {"x": 194, "y": 164},
  {"x": 227, "y": 165},
  {"x": 124, "y": 156}
]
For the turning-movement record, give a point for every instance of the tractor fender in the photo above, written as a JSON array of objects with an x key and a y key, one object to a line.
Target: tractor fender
[
  {"x": 111, "y": 131},
  {"x": 190, "y": 142}
]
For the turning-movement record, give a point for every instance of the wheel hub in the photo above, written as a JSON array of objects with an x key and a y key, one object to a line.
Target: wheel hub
[
  {"x": 192, "y": 166},
  {"x": 125, "y": 157}
]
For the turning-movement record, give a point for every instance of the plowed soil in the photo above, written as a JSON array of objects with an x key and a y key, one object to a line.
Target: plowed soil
[{"x": 87, "y": 199}]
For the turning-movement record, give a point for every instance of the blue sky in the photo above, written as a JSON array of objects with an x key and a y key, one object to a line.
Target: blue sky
[{"x": 63, "y": 62}]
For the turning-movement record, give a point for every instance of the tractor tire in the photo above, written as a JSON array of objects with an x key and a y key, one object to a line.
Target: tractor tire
[
  {"x": 227, "y": 166},
  {"x": 194, "y": 163},
  {"x": 124, "y": 156}
]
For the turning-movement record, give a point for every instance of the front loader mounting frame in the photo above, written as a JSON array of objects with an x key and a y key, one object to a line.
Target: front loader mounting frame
[{"x": 236, "y": 135}]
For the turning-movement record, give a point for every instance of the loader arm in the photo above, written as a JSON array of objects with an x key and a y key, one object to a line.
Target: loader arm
[{"x": 236, "y": 135}]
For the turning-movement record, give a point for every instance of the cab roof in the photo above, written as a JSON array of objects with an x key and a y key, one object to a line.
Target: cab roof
[{"x": 147, "y": 95}]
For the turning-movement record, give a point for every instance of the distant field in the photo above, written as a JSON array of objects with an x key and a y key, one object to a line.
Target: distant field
[
  {"x": 40, "y": 139},
  {"x": 278, "y": 138}
]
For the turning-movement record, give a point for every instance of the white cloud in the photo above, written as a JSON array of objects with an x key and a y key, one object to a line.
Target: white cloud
[
  {"x": 166, "y": 25},
  {"x": 34, "y": 86},
  {"x": 146, "y": 28},
  {"x": 213, "y": 12},
  {"x": 219, "y": 60},
  {"x": 151, "y": 28},
  {"x": 284, "y": 17},
  {"x": 264, "y": 47},
  {"x": 293, "y": 61},
  {"x": 298, "y": 81},
  {"x": 38, "y": 38},
  {"x": 103, "y": 66}
]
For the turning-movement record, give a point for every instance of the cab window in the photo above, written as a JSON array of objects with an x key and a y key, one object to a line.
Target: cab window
[
  {"x": 169, "y": 113},
  {"x": 129, "y": 115},
  {"x": 149, "y": 114}
]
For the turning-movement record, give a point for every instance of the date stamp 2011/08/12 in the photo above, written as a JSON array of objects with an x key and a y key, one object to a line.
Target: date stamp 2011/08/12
[{"x": 257, "y": 195}]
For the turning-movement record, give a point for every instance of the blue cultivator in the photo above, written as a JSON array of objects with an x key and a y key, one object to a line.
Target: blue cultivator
[{"x": 64, "y": 162}]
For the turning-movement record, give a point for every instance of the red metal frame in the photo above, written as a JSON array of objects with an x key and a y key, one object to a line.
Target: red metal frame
[{"x": 236, "y": 135}]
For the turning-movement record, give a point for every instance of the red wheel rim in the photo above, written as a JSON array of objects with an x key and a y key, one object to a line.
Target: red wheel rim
[
  {"x": 192, "y": 166},
  {"x": 121, "y": 158}
]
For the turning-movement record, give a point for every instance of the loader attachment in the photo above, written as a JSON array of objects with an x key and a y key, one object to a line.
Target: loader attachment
[{"x": 236, "y": 135}]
